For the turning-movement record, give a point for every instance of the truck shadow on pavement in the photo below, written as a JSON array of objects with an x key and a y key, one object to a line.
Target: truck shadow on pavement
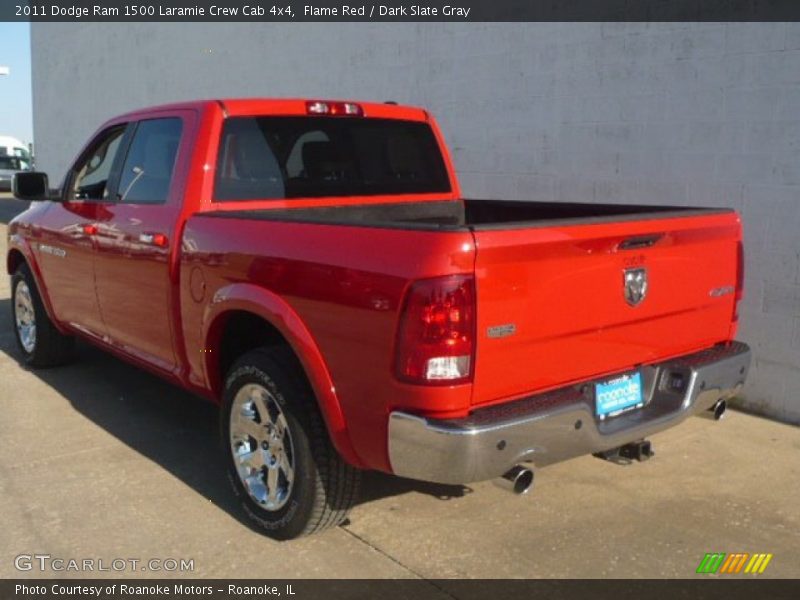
[{"x": 167, "y": 425}]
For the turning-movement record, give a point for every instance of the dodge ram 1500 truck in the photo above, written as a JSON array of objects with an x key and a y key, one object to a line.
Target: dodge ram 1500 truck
[{"x": 311, "y": 266}]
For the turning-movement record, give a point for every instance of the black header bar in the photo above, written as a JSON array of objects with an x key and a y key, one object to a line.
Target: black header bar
[
  {"x": 712, "y": 588},
  {"x": 398, "y": 10}
]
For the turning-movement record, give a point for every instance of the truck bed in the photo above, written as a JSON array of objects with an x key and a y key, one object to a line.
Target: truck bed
[
  {"x": 471, "y": 214},
  {"x": 553, "y": 273}
]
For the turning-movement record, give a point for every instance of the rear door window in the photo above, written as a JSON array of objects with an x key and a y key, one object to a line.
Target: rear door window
[
  {"x": 308, "y": 157},
  {"x": 147, "y": 171}
]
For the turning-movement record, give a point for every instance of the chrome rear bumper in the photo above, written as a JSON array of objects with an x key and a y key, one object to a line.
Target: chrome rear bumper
[{"x": 558, "y": 425}]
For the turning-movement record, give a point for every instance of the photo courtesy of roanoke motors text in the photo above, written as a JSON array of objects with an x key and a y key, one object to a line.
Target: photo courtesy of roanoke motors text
[{"x": 425, "y": 300}]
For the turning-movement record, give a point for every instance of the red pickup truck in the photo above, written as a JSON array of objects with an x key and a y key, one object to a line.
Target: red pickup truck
[{"x": 312, "y": 267}]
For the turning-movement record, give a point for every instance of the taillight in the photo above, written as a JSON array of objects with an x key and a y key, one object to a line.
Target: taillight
[
  {"x": 436, "y": 335},
  {"x": 345, "y": 109}
]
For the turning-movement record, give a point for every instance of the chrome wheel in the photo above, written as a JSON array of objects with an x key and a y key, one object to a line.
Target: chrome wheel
[
  {"x": 261, "y": 445},
  {"x": 25, "y": 317}
]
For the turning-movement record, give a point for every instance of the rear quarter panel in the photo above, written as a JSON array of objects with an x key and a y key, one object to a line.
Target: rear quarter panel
[{"x": 345, "y": 284}]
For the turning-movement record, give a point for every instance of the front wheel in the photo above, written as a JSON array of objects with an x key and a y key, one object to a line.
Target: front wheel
[
  {"x": 282, "y": 466},
  {"x": 41, "y": 344}
]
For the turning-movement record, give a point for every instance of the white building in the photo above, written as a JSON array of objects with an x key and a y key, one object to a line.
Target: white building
[{"x": 670, "y": 113}]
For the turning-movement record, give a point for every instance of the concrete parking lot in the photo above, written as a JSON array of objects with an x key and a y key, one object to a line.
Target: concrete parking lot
[{"x": 100, "y": 460}]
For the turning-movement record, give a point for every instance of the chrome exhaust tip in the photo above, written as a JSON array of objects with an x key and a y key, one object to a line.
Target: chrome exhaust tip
[
  {"x": 716, "y": 412},
  {"x": 517, "y": 480}
]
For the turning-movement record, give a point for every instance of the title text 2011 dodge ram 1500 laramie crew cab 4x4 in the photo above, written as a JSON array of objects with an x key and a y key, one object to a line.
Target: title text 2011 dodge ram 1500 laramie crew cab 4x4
[{"x": 312, "y": 267}]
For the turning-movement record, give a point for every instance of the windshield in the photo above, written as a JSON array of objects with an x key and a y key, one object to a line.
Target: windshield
[
  {"x": 11, "y": 163},
  {"x": 304, "y": 157}
]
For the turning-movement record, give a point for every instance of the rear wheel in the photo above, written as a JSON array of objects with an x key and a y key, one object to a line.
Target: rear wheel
[
  {"x": 282, "y": 466},
  {"x": 41, "y": 344}
]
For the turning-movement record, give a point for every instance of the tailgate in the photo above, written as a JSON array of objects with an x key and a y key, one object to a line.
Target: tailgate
[{"x": 554, "y": 307}]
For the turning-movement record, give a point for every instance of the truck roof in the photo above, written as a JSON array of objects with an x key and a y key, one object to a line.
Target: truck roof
[
  {"x": 11, "y": 142},
  {"x": 287, "y": 107}
]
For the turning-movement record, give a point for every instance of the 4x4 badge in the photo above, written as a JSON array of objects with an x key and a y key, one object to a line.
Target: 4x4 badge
[{"x": 635, "y": 285}]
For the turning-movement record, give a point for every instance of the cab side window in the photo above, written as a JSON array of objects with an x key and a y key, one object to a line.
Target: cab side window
[
  {"x": 92, "y": 174},
  {"x": 147, "y": 171}
]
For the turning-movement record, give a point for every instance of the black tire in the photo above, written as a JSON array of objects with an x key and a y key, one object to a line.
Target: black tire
[
  {"x": 50, "y": 347},
  {"x": 324, "y": 486}
]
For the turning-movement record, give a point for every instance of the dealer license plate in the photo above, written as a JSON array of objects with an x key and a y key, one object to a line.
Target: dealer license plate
[{"x": 618, "y": 395}]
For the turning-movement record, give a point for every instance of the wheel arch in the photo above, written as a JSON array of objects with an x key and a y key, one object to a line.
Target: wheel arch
[
  {"x": 14, "y": 259},
  {"x": 19, "y": 253},
  {"x": 242, "y": 317}
]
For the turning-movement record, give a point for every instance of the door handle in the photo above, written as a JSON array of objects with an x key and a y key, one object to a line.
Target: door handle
[
  {"x": 154, "y": 239},
  {"x": 641, "y": 241},
  {"x": 89, "y": 229}
]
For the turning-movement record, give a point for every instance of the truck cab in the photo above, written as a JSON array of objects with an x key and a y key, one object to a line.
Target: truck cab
[{"x": 14, "y": 157}]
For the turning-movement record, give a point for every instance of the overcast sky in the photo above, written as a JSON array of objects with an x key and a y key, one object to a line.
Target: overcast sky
[{"x": 15, "y": 89}]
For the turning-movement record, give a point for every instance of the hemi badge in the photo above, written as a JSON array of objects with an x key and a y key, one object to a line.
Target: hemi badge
[
  {"x": 59, "y": 252},
  {"x": 721, "y": 291},
  {"x": 500, "y": 331}
]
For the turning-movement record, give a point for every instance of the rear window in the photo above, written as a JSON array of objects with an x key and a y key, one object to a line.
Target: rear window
[{"x": 309, "y": 157}]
